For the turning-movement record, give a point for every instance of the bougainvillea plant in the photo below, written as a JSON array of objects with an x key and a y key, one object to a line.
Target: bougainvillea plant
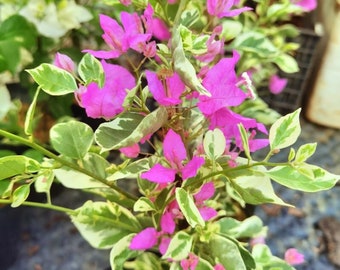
[{"x": 167, "y": 87}]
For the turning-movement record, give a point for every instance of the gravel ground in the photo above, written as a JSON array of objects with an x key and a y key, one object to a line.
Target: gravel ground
[
  {"x": 289, "y": 228},
  {"x": 38, "y": 239}
]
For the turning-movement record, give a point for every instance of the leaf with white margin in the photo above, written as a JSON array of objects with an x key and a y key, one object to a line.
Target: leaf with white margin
[{"x": 129, "y": 128}]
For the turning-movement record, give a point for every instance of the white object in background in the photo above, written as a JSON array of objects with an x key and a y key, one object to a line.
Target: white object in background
[{"x": 324, "y": 103}]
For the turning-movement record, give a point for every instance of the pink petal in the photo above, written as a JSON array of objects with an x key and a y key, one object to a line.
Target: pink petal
[
  {"x": 277, "y": 84},
  {"x": 221, "y": 81},
  {"x": 114, "y": 36},
  {"x": 234, "y": 12},
  {"x": 131, "y": 151},
  {"x": 160, "y": 174},
  {"x": 307, "y": 5},
  {"x": 257, "y": 144},
  {"x": 191, "y": 168},
  {"x": 174, "y": 149},
  {"x": 160, "y": 29},
  {"x": 132, "y": 23},
  {"x": 219, "y": 267},
  {"x": 163, "y": 246},
  {"x": 168, "y": 224},
  {"x": 206, "y": 192},
  {"x": 293, "y": 257},
  {"x": 169, "y": 96},
  {"x": 145, "y": 239},
  {"x": 104, "y": 54},
  {"x": 65, "y": 62},
  {"x": 207, "y": 213},
  {"x": 107, "y": 101}
]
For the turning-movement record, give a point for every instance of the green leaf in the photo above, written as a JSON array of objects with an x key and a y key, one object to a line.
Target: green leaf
[
  {"x": 244, "y": 138},
  {"x": 291, "y": 154},
  {"x": 18, "y": 30},
  {"x": 16, "y": 35},
  {"x": 132, "y": 170},
  {"x": 179, "y": 247},
  {"x": 72, "y": 139},
  {"x": 76, "y": 180},
  {"x": 53, "y": 80},
  {"x": 240, "y": 229},
  {"x": 145, "y": 261},
  {"x": 231, "y": 29},
  {"x": 44, "y": 181},
  {"x": 30, "y": 114},
  {"x": 285, "y": 131},
  {"x": 190, "y": 16},
  {"x": 203, "y": 265},
  {"x": 187, "y": 205},
  {"x": 91, "y": 70},
  {"x": 227, "y": 252},
  {"x": 255, "y": 42},
  {"x": 214, "y": 143},
  {"x": 6, "y": 187},
  {"x": 143, "y": 204},
  {"x": 20, "y": 195},
  {"x": 266, "y": 261},
  {"x": 286, "y": 63},
  {"x": 121, "y": 253},
  {"x": 103, "y": 224},
  {"x": 308, "y": 178},
  {"x": 254, "y": 186},
  {"x": 183, "y": 66},
  {"x": 305, "y": 151},
  {"x": 16, "y": 165},
  {"x": 129, "y": 128}
]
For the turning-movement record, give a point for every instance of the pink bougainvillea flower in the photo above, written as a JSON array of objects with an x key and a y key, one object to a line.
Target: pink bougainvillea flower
[
  {"x": 145, "y": 239},
  {"x": 294, "y": 257},
  {"x": 206, "y": 192},
  {"x": 190, "y": 263},
  {"x": 126, "y": 2},
  {"x": 65, "y": 62},
  {"x": 277, "y": 84},
  {"x": 166, "y": 92},
  {"x": 306, "y": 5},
  {"x": 131, "y": 151},
  {"x": 221, "y": 81},
  {"x": 174, "y": 153},
  {"x": 106, "y": 102},
  {"x": 120, "y": 39},
  {"x": 155, "y": 26},
  {"x": 149, "y": 237},
  {"x": 227, "y": 121},
  {"x": 114, "y": 36},
  {"x": 219, "y": 267},
  {"x": 214, "y": 47},
  {"x": 222, "y": 8}
]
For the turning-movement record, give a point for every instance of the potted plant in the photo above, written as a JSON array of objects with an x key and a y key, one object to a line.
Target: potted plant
[{"x": 165, "y": 81}]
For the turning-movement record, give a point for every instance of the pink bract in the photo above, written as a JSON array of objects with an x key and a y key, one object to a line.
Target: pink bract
[
  {"x": 222, "y": 8},
  {"x": 167, "y": 93},
  {"x": 294, "y": 257},
  {"x": 277, "y": 84},
  {"x": 145, "y": 239},
  {"x": 107, "y": 102},
  {"x": 221, "y": 81},
  {"x": 65, "y": 62}
]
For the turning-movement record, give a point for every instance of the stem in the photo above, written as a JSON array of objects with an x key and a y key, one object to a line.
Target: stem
[
  {"x": 65, "y": 162},
  {"x": 242, "y": 167},
  {"x": 43, "y": 205}
]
